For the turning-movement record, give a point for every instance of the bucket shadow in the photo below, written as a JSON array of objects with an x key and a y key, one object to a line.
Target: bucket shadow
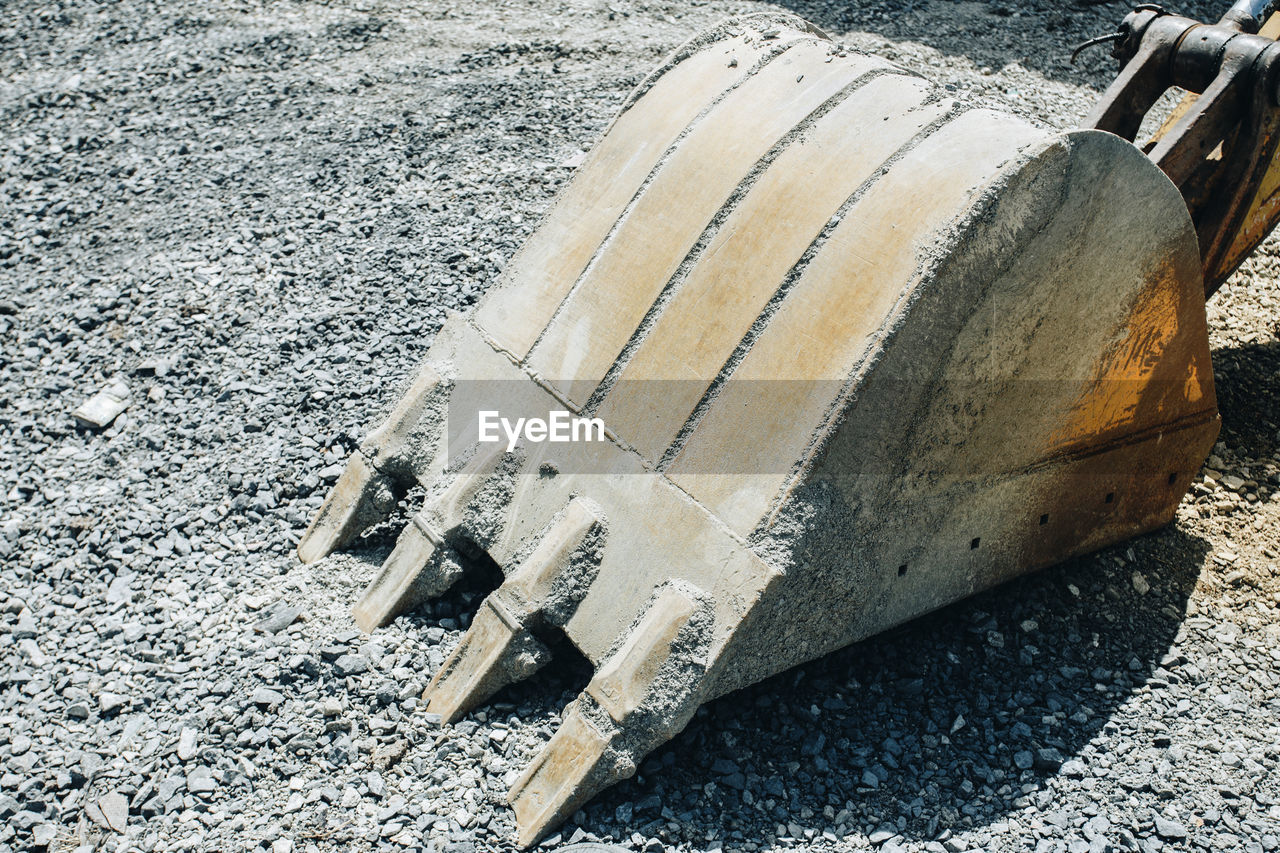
[{"x": 1247, "y": 378}]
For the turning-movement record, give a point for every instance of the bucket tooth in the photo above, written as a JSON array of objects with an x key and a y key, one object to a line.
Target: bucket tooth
[
  {"x": 375, "y": 477},
  {"x": 639, "y": 698},
  {"x": 577, "y": 762},
  {"x": 362, "y": 496},
  {"x": 496, "y": 651},
  {"x": 540, "y": 583},
  {"x": 624, "y": 684},
  {"x": 420, "y": 567},
  {"x": 498, "y": 648},
  {"x": 387, "y": 444}
]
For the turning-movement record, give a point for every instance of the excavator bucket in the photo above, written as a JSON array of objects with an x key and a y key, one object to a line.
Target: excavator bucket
[{"x": 805, "y": 350}]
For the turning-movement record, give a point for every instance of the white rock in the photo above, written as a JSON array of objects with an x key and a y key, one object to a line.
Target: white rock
[
  {"x": 115, "y": 809},
  {"x": 200, "y": 781},
  {"x": 111, "y": 702},
  {"x": 32, "y": 651},
  {"x": 104, "y": 407},
  {"x": 187, "y": 744}
]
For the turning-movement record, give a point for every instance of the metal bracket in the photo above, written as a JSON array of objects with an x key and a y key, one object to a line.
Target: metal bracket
[{"x": 1220, "y": 146}]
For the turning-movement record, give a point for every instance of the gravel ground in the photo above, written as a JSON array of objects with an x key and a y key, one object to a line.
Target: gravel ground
[{"x": 255, "y": 215}]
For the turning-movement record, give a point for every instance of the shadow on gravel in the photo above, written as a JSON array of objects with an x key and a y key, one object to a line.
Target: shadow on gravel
[
  {"x": 1247, "y": 378},
  {"x": 959, "y": 719}
]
